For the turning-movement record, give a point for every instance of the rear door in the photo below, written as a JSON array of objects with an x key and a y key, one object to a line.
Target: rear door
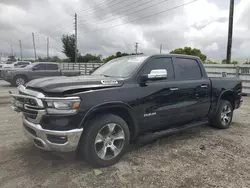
[
  {"x": 52, "y": 70},
  {"x": 193, "y": 88}
]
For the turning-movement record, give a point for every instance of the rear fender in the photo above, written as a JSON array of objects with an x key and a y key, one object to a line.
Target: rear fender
[{"x": 220, "y": 98}]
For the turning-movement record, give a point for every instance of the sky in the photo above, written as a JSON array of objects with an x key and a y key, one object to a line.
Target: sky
[{"x": 108, "y": 26}]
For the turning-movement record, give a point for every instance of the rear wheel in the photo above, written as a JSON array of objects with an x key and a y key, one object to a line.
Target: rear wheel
[
  {"x": 224, "y": 115},
  {"x": 104, "y": 140},
  {"x": 19, "y": 80}
]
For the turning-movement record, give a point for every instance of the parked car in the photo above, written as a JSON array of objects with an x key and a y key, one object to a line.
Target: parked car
[
  {"x": 17, "y": 64},
  {"x": 123, "y": 100},
  {"x": 20, "y": 76}
]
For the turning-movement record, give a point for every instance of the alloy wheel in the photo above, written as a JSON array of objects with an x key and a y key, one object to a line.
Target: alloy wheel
[
  {"x": 109, "y": 141},
  {"x": 20, "y": 81},
  {"x": 226, "y": 115}
]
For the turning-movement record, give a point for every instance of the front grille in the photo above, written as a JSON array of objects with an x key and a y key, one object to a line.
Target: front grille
[{"x": 28, "y": 105}]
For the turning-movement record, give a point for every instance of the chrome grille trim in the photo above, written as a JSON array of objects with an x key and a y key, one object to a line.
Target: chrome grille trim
[
  {"x": 36, "y": 94},
  {"x": 37, "y": 110},
  {"x": 39, "y": 101}
]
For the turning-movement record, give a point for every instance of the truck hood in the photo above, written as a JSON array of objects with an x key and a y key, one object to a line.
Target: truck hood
[{"x": 68, "y": 85}]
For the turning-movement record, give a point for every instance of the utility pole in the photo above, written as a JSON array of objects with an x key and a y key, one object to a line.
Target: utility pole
[
  {"x": 34, "y": 45},
  {"x": 47, "y": 47},
  {"x": 136, "y": 48},
  {"x": 160, "y": 48},
  {"x": 11, "y": 49},
  {"x": 75, "y": 37},
  {"x": 21, "y": 50},
  {"x": 230, "y": 31}
]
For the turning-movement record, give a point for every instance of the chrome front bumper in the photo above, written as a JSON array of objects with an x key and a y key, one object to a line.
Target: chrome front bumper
[{"x": 39, "y": 137}]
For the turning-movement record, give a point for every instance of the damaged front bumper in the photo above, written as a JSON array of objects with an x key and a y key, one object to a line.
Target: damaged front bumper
[{"x": 50, "y": 140}]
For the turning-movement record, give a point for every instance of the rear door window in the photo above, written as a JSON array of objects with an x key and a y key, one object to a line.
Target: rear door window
[
  {"x": 187, "y": 69},
  {"x": 40, "y": 67},
  {"x": 52, "y": 67}
]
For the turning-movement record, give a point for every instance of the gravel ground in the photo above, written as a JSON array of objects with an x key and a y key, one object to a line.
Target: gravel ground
[{"x": 200, "y": 157}]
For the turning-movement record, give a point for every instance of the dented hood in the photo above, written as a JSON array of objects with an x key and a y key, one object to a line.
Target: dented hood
[{"x": 64, "y": 84}]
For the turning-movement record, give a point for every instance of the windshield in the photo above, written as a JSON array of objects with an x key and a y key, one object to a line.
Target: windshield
[
  {"x": 120, "y": 67},
  {"x": 31, "y": 65}
]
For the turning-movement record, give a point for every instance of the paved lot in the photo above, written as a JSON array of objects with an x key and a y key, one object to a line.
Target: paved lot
[
  {"x": 174, "y": 161},
  {"x": 5, "y": 87}
]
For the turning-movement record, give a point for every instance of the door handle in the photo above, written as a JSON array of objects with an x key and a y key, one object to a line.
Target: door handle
[
  {"x": 174, "y": 89},
  {"x": 204, "y": 86}
]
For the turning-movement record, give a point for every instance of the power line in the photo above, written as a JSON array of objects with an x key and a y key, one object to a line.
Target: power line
[
  {"x": 125, "y": 15},
  {"x": 94, "y": 7},
  {"x": 148, "y": 16},
  {"x": 87, "y": 20}
]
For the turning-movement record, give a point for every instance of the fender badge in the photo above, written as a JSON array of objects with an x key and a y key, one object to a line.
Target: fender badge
[{"x": 109, "y": 82}]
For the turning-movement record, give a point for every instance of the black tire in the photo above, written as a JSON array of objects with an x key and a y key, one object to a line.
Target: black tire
[
  {"x": 17, "y": 79},
  {"x": 218, "y": 121},
  {"x": 87, "y": 145}
]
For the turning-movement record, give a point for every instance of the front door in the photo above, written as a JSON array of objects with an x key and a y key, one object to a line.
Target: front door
[{"x": 157, "y": 98}]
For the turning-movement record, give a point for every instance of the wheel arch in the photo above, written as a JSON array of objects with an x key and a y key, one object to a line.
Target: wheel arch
[
  {"x": 226, "y": 95},
  {"x": 120, "y": 109}
]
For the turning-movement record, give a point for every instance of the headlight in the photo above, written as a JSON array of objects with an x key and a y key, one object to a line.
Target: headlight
[{"x": 68, "y": 105}]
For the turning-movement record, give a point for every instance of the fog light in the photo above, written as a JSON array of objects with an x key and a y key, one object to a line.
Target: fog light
[{"x": 57, "y": 139}]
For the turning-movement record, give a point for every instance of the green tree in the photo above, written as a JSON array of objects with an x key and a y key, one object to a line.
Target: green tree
[
  {"x": 69, "y": 46},
  {"x": 190, "y": 51},
  {"x": 118, "y": 54},
  {"x": 224, "y": 61},
  {"x": 49, "y": 59},
  {"x": 89, "y": 58},
  {"x": 11, "y": 58},
  {"x": 210, "y": 62},
  {"x": 235, "y": 62}
]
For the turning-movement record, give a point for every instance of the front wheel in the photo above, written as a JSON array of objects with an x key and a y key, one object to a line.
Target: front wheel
[
  {"x": 104, "y": 140},
  {"x": 223, "y": 116},
  {"x": 19, "y": 80}
]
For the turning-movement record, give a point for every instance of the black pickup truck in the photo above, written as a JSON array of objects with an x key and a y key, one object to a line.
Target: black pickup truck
[{"x": 129, "y": 97}]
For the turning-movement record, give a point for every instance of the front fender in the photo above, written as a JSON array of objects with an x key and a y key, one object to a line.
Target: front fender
[{"x": 107, "y": 106}]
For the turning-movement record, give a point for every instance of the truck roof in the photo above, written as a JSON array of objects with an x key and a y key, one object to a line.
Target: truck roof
[
  {"x": 168, "y": 55},
  {"x": 45, "y": 62}
]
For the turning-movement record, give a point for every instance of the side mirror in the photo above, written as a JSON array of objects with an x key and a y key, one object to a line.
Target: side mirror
[
  {"x": 34, "y": 68},
  {"x": 157, "y": 74}
]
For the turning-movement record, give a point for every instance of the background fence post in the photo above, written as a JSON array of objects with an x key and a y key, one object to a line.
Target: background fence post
[
  {"x": 237, "y": 71},
  {"x": 85, "y": 69}
]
